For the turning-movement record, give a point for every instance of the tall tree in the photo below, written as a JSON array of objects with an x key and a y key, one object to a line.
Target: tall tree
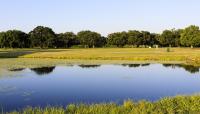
[
  {"x": 154, "y": 39},
  {"x": 14, "y": 39},
  {"x": 119, "y": 39},
  {"x": 190, "y": 36},
  {"x": 42, "y": 37},
  {"x": 146, "y": 38},
  {"x": 89, "y": 38},
  {"x": 134, "y": 38},
  {"x": 177, "y": 34},
  {"x": 66, "y": 40},
  {"x": 3, "y": 40},
  {"x": 167, "y": 38},
  {"x": 170, "y": 38}
]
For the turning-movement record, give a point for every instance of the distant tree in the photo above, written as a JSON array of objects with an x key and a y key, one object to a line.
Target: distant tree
[
  {"x": 177, "y": 34},
  {"x": 154, "y": 39},
  {"x": 102, "y": 42},
  {"x": 134, "y": 38},
  {"x": 170, "y": 38},
  {"x": 167, "y": 38},
  {"x": 190, "y": 36},
  {"x": 3, "y": 40},
  {"x": 42, "y": 37},
  {"x": 146, "y": 38},
  {"x": 119, "y": 39},
  {"x": 66, "y": 40},
  {"x": 89, "y": 38},
  {"x": 14, "y": 39}
]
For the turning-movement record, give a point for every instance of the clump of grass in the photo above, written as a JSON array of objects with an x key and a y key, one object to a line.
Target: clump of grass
[
  {"x": 168, "y": 49},
  {"x": 176, "y": 105}
]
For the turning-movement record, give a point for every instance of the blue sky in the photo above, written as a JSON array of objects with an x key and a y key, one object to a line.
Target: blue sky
[{"x": 104, "y": 16}]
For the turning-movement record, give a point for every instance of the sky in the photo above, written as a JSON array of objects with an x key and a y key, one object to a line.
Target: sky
[{"x": 103, "y": 16}]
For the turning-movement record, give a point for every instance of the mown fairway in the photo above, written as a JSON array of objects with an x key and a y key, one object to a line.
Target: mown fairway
[{"x": 136, "y": 54}]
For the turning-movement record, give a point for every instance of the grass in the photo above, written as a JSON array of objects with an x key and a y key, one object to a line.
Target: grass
[
  {"x": 175, "y": 105},
  {"x": 17, "y": 63},
  {"x": 132, "y": 54}
]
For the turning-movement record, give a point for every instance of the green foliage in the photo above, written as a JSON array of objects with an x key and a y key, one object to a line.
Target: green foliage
[
  {"x": 170, "y": 38},
  {"x": 146, "y": 38},
  {"x": 42, "y": 37},
  {"x": 190, "y": 36},
  {"x": 134, "y": 38},
  {"x": 119, "y": 39},
  {"x": 176, "y": 105},
  {"x": 3, "y": 40},
  {"x": 14, "y": 39},
  {"x": 89, "y": 38},
  {"x": 66, "y": 40}
]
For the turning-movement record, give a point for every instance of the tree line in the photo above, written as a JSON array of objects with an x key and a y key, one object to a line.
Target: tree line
[{"x": 45, "y": 37}]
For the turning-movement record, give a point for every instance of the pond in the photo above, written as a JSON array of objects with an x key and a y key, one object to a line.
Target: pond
[{"x": 62, "y": 85}]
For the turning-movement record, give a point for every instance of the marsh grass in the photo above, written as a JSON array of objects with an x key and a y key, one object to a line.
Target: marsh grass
[
  {"x": 132, "y": 54},
  {"x": 18, "y": 63},
  {"x": 188, "y": 55},
  {"x": 176, "y": 54},
  {"x": 175, "y": 105}
]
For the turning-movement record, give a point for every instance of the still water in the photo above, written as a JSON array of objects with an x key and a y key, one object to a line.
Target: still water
[{"x": 61, "y": 85}]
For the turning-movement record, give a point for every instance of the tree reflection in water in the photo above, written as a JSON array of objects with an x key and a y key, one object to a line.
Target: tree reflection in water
[
  {"x": 43, "y": 70},
  {"x": 89, "y": 66},
  {"x": 190, "y": 68},
  {"x": 135, "y": 65},
  {"x": 16, "y": 70}
]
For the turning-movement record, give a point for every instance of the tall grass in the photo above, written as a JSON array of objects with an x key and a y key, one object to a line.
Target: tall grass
[
  {"x": 133, "y": 54},
  {"x": 176, "y": 105}
]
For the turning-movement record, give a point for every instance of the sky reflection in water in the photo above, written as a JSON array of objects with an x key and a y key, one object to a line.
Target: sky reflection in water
[{"x": 62, "y": 85}]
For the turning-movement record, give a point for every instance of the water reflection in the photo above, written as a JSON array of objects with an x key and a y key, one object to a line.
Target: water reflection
[
  {"x": 43, "y": 70},
  {"x": 15, "y": 70},
  {"x": 68, "y": 84},
  {"x": 89, "y": 66},
  {"x": 47, "y": 70},
  {"x": 189, "y": 68},
  {"x": 135, "y": 65}
]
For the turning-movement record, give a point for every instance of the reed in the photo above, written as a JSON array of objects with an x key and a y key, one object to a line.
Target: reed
[{"x": 175, "y": 105}]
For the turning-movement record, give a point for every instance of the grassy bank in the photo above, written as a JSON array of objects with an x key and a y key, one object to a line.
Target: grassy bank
[
  {"x": 15, "y": 63},
  {"x": 133, "y": 54},
  {"x": 176, "y": 105}
]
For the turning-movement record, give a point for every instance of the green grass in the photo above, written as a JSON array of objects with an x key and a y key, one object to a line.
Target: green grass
[
  {"x": 17, "y": 63},
  {"x": 176, "y": 105},
  {"x": 132, "y": 54}
]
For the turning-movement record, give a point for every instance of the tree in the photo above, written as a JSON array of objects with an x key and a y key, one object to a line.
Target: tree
[
  {"x": 154, "y": 39},
  {"x": 3, "y": 40},
  {"x": 134, "y": 38},
  {"x": 170, "y": 38},
  {"x": 167, "y": 38},
  {"x": 89, "y": 38},
  {"x": 190, "y": 36},
  {"x": 102, "y": 42},
  {"x": 66, "y": 40},
  {"x": 119, "y": 39},
  {"x": 14, "y": 39},
  {"x": 177, "y": 34},
  {"x": 146, "y": 38},
  {"x": 42, "y": 37}
]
